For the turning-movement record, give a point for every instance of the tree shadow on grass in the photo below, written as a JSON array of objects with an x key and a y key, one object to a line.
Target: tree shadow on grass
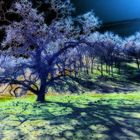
[
  {"x": 103, "y": 119},
  {"x": 100, "y": 120},
  {"x": 105, "y": 85},
  {"x": 131, "y": 73},
  {"x": 126, "y": 81}
]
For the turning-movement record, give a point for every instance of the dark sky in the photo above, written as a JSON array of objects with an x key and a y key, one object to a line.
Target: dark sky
[{"x": 110, "y": 10}]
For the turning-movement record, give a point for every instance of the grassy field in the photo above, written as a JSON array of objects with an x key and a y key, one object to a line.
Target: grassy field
[
  {"x": 71, "y": 117},
  {"x": 109, "y": 111}
]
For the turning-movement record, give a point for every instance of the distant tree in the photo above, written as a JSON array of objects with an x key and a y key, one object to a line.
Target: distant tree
[
  {"x": 107, "y": 49},
  {"x": 111, "y": 45},
  {"x": 132, "y": 48},
  {"x": 35, "y": 55}
]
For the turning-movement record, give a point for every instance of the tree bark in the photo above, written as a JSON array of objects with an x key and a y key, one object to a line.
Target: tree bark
[
  {"x": 92, "y": 65},
  {"x": 42, "y": 90},
  {"x": 102, "y": 73},
  {"x": 137, "y": 61},
  {"x": 41, "y": 98}
]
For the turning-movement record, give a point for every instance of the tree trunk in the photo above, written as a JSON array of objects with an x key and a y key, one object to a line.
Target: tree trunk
[
  {"x": 42, "y": 90},
  {"x": 109, "y": 69},
  {"x": 112, "y": 72},
  {"x": 87, "y": 70},
  {"x": 119, "y": 68},
  {"x": 106, "y": 68},
  {"x": 41, "y": 98},
  {"x": 102, "y": 74},
  {"x": 137, "y": 61},
  {"x": 92, "y": 65}
]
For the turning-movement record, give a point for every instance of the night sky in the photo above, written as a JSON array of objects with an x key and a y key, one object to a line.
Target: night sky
[{"x": 110, "y": 10}]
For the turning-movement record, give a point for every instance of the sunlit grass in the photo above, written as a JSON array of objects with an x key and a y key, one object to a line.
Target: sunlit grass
[
  {"x": 73, "y": 117},
  {"x": 88, "y": 116}
]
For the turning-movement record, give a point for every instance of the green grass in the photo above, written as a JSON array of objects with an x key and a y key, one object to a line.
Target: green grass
[
  {"x": 88, "y": 116},
  {"x": 71, "y": 117}
]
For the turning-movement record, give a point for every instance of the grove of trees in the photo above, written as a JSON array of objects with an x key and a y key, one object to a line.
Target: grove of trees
[{"x": 42, "y": 43}]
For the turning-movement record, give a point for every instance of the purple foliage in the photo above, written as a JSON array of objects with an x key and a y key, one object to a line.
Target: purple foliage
[{"x": 37, "y": 53}]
